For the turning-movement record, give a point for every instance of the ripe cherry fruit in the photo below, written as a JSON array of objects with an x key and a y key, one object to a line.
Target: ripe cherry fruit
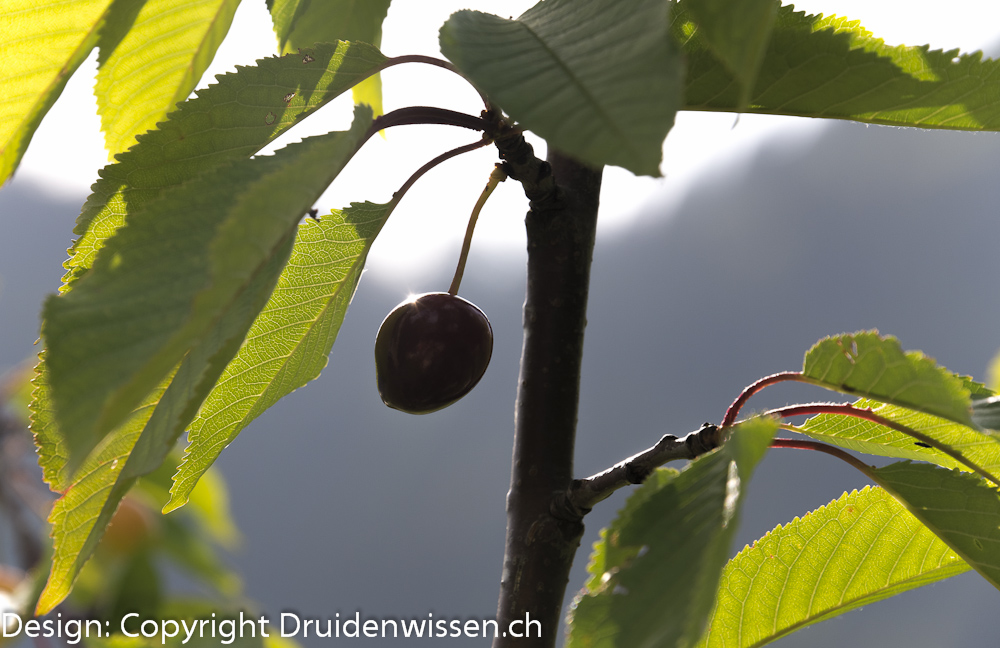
[{"x": 430, "y": 351}]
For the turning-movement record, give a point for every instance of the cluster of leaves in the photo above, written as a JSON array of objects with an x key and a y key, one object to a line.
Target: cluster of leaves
[
  {"x": 195, "y": 297},
  {"x": 934, "y": 515}
]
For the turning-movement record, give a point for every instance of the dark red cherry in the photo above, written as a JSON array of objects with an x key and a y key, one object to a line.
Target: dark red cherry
[{"x": 430, "y": 351}]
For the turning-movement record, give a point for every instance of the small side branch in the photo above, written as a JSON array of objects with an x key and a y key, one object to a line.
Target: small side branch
[{"x": 585, "y": 493}]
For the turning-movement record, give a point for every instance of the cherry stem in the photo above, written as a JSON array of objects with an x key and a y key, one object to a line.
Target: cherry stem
[
  {"x": 430, "y": 60},
  {"x": 496, "y": 177},
  {"x": 447, "y": 155},
  {"x": 801, "y": 444},
  {"x": 741, "y": 400},
  {"x": 846, "y": 409}
]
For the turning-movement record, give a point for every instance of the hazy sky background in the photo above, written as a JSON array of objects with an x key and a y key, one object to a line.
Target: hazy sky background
[{"x": 763, "y": 237}]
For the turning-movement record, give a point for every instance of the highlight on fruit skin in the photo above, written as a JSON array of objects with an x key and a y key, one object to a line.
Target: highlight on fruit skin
[{"x": 430, "y": 351}]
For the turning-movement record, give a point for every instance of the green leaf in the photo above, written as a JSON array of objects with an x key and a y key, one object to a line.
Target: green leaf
[
  {"x": 655, "y": 570},
  {"x": 962, "y": 509},
  {"x": 866, "y": 364},
  {"x": 817, "y": 66},
  {"x": 152, "y": 54},
  {"x": 737, "y": 33},
  {"x": 228, "y": 121},
  {"x": 138, "y": 447},
  {"x": 289, "y": 343},
  {"x": 166, "y": 278},
  {"x": 598, "y": 79},
  {"x": 302, "y": 23},
  {"x": 80, "y": 516},
  {"x": 861, "y": 548},
  {"x": 50, "y": 445},
  {"x": 954, "y": 445},
  {"x": 43, "y": 43}
]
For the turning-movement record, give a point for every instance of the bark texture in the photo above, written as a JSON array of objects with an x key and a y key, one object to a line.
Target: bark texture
[{"x": 543, "y": 537}]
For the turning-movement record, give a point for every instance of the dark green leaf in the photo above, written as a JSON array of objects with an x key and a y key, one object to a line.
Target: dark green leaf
[
  {"x": 962, "y": 509},
  {"x": 163, "y": 281},
  {"x": 598, "y": 79},
  {"x": 656, "y": 569},
  {"x": 737, "y": 32},
  {"x": 289, "y": 343},
  {"x": 856, "y": 550},
  {"x": 139, "y": 446},
  {"x": 817, "y": 66},
  {"x": 227, "y": 121}
]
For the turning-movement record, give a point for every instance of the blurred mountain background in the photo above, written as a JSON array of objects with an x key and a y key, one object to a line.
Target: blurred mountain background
[{"x": 347, "y": 505}]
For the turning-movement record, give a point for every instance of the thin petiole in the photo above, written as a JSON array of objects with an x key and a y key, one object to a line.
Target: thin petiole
[
  {"x": 426, "y": 115},
  {"x": 447, "y": 155},
  {"x": 801, "y": 444},
  {"x": 741, "y": 400}
]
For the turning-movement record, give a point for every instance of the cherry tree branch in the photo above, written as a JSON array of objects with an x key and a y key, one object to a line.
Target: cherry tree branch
[
  {"x": 540, "y": 541},
  {"x": 581, "y": 497}
]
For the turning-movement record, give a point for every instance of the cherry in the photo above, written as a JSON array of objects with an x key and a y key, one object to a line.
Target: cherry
[{"x": 430, "y": 351}]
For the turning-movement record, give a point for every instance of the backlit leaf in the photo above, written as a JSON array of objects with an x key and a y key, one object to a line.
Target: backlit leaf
[
  {"x": 856, "y": 550},
  {"x": 230, "y": 120},
  {"x": 152, "y": 54},
  {"x": 140, "y": 446},
  {"x": 303, "y": 23},
  {"x": 962, "y": 509},
  {"x": 867, "y": 364},
  {"x": 43, "y": 43},
  {"x": 289, "y": 343},
  {"x": 975, "y": 447},
  {"x": 164, "y": 280}
]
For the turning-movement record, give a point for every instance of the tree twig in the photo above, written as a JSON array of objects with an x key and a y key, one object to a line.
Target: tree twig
[{"x": 581, "y": 497}]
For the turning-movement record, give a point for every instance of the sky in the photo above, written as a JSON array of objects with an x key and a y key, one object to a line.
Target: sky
[{"x": 427, "y": 229}]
